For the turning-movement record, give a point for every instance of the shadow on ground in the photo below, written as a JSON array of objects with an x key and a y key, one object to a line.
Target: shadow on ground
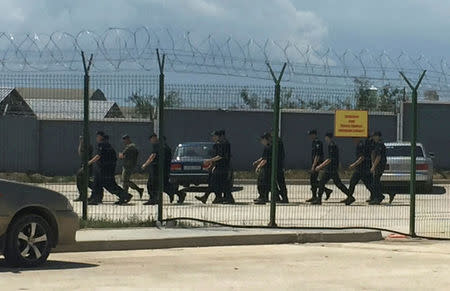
[
  {"x": 49, "y": 265},
  {"x": 437, "y": 190}
]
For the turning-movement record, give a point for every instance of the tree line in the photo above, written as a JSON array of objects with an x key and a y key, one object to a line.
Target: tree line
[{"x": 364, "y": 97}]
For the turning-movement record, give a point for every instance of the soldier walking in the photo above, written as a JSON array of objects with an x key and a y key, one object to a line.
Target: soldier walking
[
  {"x": 263, "y": 169},
  {"x": 361, "y": 167},
  {"x": 331, "y": 170},
  {"x": 378, "y": 167},
  {"x": 316, "y": 159},
  {"x": 80, "y": 172},
  {"x": 129, "y": 155},
  {"x": 104, "y": 171}
]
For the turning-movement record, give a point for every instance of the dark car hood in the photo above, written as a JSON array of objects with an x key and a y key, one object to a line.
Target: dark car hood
[{"x": 18, "y": 195}]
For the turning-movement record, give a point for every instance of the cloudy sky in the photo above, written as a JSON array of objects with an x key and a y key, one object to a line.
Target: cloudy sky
[{"x": 417, "y": 26}]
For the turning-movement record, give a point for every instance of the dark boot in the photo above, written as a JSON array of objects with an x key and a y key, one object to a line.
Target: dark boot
[
  {"x": 203, "y": 198},
  {"x": 314, "y": 197},
  {"x": 261, "y": 201},
  {"x": 218, "y": 200},
  {"x": 317, "y": 201},
  {"x": 141, "y": 192},
  {"x": 350, "y": 200},
  {"x": 182, "y": 197},
  {"x": 229, "y": 200},
  {"x": 328, "y": 193}
]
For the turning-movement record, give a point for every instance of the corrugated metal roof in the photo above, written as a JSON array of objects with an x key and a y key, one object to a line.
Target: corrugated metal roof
[
  {"x": 4, "y": 92},
  {"x": 59, "y": 93},
  {"x": 72, "y": 109}
]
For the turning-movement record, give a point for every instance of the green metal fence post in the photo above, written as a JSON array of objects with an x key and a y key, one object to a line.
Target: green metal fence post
[
  {"x": 412, "y": 185},
  {"x": 275, "y": 144},
  {"x": 161, "y": 153},
  {"x": 86, "y": 67}
]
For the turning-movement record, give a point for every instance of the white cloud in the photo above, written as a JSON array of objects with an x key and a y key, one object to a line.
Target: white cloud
[{"x": 257, "y": 19}]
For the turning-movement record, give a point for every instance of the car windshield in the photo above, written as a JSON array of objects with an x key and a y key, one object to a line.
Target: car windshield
[
  {"x": 200, "y": 150},
  {"x": 402, "y": 151}
]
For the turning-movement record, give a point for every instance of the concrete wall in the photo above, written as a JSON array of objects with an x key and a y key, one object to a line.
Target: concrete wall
[
  {"x": 50, "y": 147},
  {"x": 59, "y": 142},
  {"x": 19, "y": 139},
  {"x": 243, "y": 129},
  {"x": 433, "y": 130}
]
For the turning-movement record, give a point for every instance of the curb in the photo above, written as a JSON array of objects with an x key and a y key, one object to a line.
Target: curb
[
  {"x": 223, "y": 240},
  {"x": 307, "y": 182}
]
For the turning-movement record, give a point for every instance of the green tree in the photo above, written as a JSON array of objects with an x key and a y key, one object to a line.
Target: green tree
[
  {"x": 320, "y": 104},
  {"x": 287, "y": 100},
  {"x": 365, "y": 95},
  {"x": 389, "y": 98},
  {"x": 431, "y": 95},
  {"x": 250, "y": 100},
  {"x": 144, "y": 105},
  {"x": 172, "y": 100}
]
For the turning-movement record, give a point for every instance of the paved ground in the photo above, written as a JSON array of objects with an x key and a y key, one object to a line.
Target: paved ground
[
  {"x": 421, "y": 265},
  {"x": 433, "y": 210}
]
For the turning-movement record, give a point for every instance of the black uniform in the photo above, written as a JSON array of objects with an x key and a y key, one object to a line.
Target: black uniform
[
  {"x": 220, "y": 171},
  {"x": 170, "y": 188},
  {"x": 264, "y": 174},
  {"x": 228, "y": 188},
  {"x": 362, "y": 171},
  {"x": 331, "y": 171},
  {"x": 379, "y": 151},
  {"x": 153, "y": 178},
  {"x": 80, "y": 172},
  {"x": 104, "y": 172},
  {"x": 316, "y": 151},
  {"x": 281, "y": 181}
]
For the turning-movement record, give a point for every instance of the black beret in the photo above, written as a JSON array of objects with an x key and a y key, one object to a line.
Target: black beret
[
  {"x": 329, "y": 134},
  {"x": 312, "y": 131}
]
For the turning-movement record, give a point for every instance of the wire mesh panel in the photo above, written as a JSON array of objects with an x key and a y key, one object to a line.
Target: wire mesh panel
[
  {"x": 432, "y": 201},
  {"x": 41, "y": 121}
]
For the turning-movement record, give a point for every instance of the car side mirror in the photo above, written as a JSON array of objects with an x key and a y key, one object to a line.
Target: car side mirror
[{"x": 431, "y": 155}]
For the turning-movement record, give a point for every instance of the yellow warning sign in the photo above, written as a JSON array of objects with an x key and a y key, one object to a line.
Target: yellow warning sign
[{"x": 351, "y": 123}]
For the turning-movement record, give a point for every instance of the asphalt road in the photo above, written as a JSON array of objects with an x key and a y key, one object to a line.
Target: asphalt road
[
  {"x": 432, "y": 210},
  {"x": 419, "y": 265}
]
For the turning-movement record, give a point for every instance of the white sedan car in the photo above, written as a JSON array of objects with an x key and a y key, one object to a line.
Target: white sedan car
[{"x": 398, "y": 168}]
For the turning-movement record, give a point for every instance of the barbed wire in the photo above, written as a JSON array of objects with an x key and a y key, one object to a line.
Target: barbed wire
[{"x": 123, "y": 49}]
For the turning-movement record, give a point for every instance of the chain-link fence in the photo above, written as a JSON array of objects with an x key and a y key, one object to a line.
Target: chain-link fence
[{"x": 50, "y": 123}]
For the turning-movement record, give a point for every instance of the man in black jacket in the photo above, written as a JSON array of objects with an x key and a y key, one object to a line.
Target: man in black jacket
[
  {"x": 316, "y": 159},
  {"x": 378, "y": 167},
  {"x": 331, "y": 168},
  {"x": 104, "y": 171}
]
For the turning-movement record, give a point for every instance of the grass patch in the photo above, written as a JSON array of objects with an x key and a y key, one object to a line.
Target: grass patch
[
  {"x": 137, "y": 222},
  {"x": 36, "y": 178},
  {"x": 105, "y": 223},
  {"x": 289, "y": 174}
]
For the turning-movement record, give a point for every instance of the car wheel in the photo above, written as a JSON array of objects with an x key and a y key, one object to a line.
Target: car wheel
[{"x": 28, "y": 241}]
